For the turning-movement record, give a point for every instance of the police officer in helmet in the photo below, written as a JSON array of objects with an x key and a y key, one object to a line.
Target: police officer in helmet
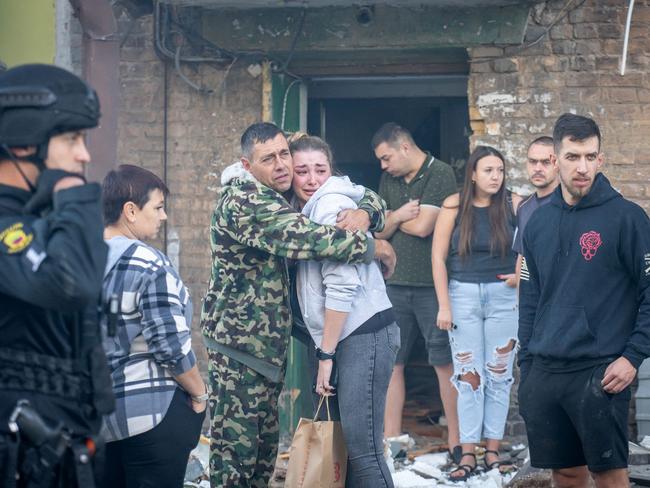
[{"x": 54, "y": 382}]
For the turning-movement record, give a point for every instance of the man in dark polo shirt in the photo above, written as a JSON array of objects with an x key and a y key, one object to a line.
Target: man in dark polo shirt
[
  {"x": 414, "y": 185},
  {"x": 543, "y": 175}
]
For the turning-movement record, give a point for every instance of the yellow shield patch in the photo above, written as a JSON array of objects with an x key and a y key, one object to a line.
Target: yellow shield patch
[{"x": 15, "y": 238}]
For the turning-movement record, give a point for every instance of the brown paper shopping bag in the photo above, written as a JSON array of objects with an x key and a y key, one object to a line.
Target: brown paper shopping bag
[{"x": 318, "y": 456}]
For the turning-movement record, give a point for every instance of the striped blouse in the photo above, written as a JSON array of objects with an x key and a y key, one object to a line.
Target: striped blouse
[{"x": 152, "y": 341}]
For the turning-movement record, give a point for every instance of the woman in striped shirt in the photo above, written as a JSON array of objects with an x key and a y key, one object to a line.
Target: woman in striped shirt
[{"x": 160, "y": 396}]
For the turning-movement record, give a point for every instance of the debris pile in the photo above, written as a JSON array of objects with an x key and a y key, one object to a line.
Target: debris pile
[
  {"x": 417, "y": 468},
  {"x": 197, "y": 474},
  {"x": 424, "y": 462}
]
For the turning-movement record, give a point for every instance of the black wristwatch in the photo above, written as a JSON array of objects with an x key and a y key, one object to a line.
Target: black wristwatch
[{"x": 324, "y": 355}]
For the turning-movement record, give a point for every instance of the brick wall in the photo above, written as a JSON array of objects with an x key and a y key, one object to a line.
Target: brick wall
[
  {"x": 203, "y": 137},
  {"x": 516, "y": 94}
]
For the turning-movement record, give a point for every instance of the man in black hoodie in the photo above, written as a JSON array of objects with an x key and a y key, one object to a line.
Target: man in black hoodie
[{"x": 584, "y": 320}]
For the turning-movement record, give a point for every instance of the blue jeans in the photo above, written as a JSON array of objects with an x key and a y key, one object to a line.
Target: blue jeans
[
  {"x": 483, "y": 341},
  {"x": 365, "y": 365}
]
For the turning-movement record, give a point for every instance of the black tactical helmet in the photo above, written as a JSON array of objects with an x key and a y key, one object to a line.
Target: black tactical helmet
[{"x": 38, "y": 101}]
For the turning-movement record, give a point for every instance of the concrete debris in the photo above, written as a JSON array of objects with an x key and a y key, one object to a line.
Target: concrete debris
[
  {"x": 640, "y": 475},
  {"x": 403, "y": 442},
  {"x": 519, "y": 451},
  {"x": 432, "y": 470},
  {"x": 408, "y": 479},
  {"x": 523, "y": 455},
  {"x": 437, "y": 460},
  {"x": 638, "y": 454},
  {"x": 426, "y": 470},
  {"x": 427, "y": 465},
  {"x": 194, "y": 469},
  {"x": 388, "y": 456},
  {"x": 198, "y": 464},
  {"x": 646, "y": 441},
  {"x": 202, "y": 484}
]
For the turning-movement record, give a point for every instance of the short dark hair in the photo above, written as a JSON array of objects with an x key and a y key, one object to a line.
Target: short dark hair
[
  {"x": 390, "y": 133},
  {"x": 128, "y": 183},
  {"x": 542, "y": 140},
  {"x": 576, "y": 128},
  {"x": 258, "y": 132}
]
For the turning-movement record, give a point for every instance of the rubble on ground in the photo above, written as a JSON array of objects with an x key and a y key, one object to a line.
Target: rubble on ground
[
  {"x": 421, "y": 462},
  {"x": 197, "y": 473},
  {"x": 427, "y": 465},
  {"x": 639, "y": 461}
]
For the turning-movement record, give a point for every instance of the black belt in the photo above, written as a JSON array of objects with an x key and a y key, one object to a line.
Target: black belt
[{"x": 39, "y": 373}]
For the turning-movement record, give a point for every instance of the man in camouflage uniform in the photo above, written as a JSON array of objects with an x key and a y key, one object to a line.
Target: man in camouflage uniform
[{"x": 246, "y": 318}]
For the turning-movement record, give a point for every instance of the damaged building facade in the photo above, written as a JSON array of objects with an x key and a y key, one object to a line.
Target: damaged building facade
[{"x": 186, "y": 77}]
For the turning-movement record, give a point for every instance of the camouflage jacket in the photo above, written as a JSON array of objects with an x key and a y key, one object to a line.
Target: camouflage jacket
[{"x": 246, "y": 313}]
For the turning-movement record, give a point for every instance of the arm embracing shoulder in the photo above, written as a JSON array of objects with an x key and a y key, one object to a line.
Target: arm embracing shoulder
[
  {"x": 58, "y": 261},
  {"x": 341, "y": 280},
  {"x": 264, "y": 221},
  {"x": 376, "y": 208}
]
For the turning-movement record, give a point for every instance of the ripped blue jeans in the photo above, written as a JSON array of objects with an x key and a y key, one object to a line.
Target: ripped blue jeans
[{"x": 483, "y": 341}]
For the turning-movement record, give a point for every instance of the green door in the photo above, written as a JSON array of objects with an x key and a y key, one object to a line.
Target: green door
[{"x": 288, "y": 111}]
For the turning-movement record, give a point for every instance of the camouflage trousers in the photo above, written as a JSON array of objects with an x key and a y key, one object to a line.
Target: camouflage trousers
[{"x": 244, "y": 428}]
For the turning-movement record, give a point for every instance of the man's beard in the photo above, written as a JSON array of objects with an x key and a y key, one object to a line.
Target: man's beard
[{"x": 577, "y": 193}]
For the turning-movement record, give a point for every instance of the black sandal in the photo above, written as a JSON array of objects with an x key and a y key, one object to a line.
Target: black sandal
[
  {"x": 467, "y": 469},
  {"x": 456, "y": 453},
  {"x": 496, "y": 464}
]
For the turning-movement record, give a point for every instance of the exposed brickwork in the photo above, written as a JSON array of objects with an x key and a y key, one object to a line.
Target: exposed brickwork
[
  {"x": 516, "y": 94},
  {"x": 203, "y": 137}
]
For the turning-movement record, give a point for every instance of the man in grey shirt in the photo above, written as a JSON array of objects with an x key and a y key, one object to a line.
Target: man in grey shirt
[{"x": 543, "y": 175}]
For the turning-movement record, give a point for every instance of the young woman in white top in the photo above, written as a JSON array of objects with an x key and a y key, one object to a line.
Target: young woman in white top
[{"x": 349, "y": 317}]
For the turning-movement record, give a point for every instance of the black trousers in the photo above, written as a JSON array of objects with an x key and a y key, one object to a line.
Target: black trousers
[
  {"x": 571, "y": 421},
  {"x": 156, "y": 458}
]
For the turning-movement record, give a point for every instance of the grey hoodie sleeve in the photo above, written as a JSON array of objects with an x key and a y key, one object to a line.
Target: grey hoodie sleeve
[{"x": 341, "y": 281}]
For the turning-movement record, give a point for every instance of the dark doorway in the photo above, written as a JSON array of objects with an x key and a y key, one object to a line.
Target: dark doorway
[{"x": 347, "y": 112}]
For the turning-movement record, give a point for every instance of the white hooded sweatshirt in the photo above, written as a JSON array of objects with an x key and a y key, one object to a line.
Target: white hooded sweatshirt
[{"x": 358, "y": 289}]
